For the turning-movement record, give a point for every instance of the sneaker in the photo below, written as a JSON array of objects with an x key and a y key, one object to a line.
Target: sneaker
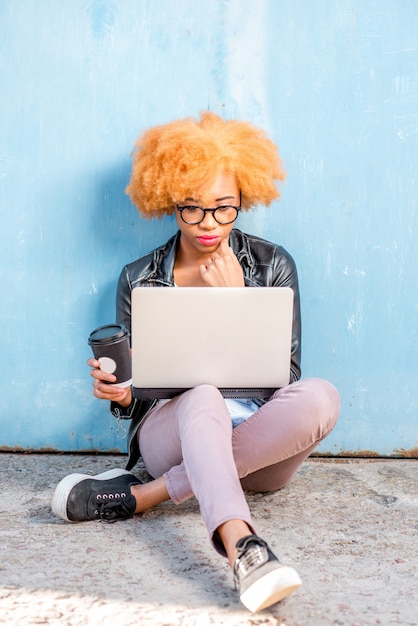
[
  {"x": 262, "y": 580},
  {"x": 106, "y": 497}
]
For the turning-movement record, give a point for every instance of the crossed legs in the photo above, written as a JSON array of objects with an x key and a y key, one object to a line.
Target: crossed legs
[{"x": 189, "y": 447}]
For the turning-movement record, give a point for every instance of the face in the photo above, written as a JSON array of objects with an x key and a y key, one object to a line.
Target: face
[{"x": 204, "y": 238}]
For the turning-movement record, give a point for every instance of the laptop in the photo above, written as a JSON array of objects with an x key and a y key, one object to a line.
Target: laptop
[{"x": 235, "y": 338}]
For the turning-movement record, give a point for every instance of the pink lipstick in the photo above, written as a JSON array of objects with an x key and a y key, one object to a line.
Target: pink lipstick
[{"x": 209, "y": 240}]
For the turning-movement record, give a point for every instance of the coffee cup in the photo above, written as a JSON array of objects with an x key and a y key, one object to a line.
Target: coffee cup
[{"x": 111, "y": 347}]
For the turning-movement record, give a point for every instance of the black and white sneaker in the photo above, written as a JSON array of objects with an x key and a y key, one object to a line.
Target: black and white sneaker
[
  {"x": 262, "y": 580},
  {"x": 106, "y": 496}
]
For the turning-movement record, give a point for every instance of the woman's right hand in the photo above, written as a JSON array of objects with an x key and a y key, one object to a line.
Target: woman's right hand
[{"x": 103, "y": 391}]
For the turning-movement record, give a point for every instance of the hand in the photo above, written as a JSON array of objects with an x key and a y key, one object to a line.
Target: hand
[
  {"x": 103, "y": 391},
  {"x": 222, "y": 268}
]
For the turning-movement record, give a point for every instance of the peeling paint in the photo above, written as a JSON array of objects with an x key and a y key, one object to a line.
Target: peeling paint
[
  {"x": 369, "y": 454},
  {"x": 349, "y": 454},
  {"x": 55, "y": 451},
  {"x": 407, "y": 454}
]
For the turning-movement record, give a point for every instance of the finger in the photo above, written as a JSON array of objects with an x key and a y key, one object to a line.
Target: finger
[
  {"x": 205, "y": 274},
  {"x": 102, "y": 395},
  {"x": 224, "y": 247},
  {"x": 103, "y": 391},
  {"x": 101, "y": 375}
]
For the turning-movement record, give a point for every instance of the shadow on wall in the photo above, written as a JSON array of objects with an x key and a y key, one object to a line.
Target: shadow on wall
[
  {"x": 119, "y": 228},
  {"x": 119, "y": 234}
]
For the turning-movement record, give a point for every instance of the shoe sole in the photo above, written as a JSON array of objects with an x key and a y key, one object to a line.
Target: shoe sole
[
  {"x": 271, "y": 588},
  {"x": 63, "y": 489}
]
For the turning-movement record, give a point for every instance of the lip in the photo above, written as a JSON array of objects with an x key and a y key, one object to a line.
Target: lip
[{"x": 208, "y": 240}]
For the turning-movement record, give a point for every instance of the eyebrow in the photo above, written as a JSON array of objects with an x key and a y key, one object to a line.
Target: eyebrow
[{"x": 217, "y": 199}]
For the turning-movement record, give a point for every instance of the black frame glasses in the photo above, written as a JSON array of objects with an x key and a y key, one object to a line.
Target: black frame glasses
[{"x": 202, "y": 212}]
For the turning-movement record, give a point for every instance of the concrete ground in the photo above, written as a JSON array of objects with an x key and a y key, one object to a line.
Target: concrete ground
[{"x": 349, "y": 527}]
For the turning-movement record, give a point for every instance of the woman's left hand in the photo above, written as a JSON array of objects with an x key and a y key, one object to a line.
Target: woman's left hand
[{"x": 222, "y": 268}]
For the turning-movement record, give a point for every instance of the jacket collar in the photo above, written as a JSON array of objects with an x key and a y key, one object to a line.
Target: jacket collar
[{"x": 240, "y": 244}]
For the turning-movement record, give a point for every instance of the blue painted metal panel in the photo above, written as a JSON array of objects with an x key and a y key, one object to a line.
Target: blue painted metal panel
[{"x": 335, "y": 82}]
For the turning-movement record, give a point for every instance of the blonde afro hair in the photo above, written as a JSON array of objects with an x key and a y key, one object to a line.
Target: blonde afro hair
[{"x": 173, "y": 160}]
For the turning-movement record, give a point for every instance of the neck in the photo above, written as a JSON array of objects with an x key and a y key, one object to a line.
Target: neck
[{"x": 187, "y": 266}]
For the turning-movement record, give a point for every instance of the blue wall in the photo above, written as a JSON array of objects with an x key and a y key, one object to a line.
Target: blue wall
[{"x": 335, "y": 83}]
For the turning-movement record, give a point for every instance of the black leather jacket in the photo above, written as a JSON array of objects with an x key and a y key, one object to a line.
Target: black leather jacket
[{"x": 264, "y": 264}]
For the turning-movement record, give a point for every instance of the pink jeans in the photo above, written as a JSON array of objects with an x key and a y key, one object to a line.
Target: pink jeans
[{"x": 190, "y": 442}]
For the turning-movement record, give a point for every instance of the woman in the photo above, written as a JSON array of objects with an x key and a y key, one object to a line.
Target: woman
[{"x": 205, "y": 171}]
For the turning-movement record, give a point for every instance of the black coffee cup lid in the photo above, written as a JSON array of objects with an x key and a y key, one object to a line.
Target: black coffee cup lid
[{"x": 108, "y": 332}]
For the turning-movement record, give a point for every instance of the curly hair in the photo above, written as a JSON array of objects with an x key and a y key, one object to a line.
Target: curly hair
[{"x": 171, "y": 161}]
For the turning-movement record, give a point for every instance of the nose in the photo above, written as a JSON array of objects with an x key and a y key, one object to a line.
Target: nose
[{"x": 208, "y": 222}]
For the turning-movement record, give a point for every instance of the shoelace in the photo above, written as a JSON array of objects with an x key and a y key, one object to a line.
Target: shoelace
[
  {"x": 253, "y": 555},
  {"x": 111, "y": 511}
]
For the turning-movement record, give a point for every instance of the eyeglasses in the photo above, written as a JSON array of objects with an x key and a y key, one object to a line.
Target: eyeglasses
[{"x": 221, "y": 214}]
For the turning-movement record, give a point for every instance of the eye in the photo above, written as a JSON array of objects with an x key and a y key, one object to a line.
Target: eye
[{"x": 191, "y": 210}]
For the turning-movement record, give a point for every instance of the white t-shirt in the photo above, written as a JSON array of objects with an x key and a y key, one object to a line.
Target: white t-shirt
[{"x": 240, "y": 409}]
